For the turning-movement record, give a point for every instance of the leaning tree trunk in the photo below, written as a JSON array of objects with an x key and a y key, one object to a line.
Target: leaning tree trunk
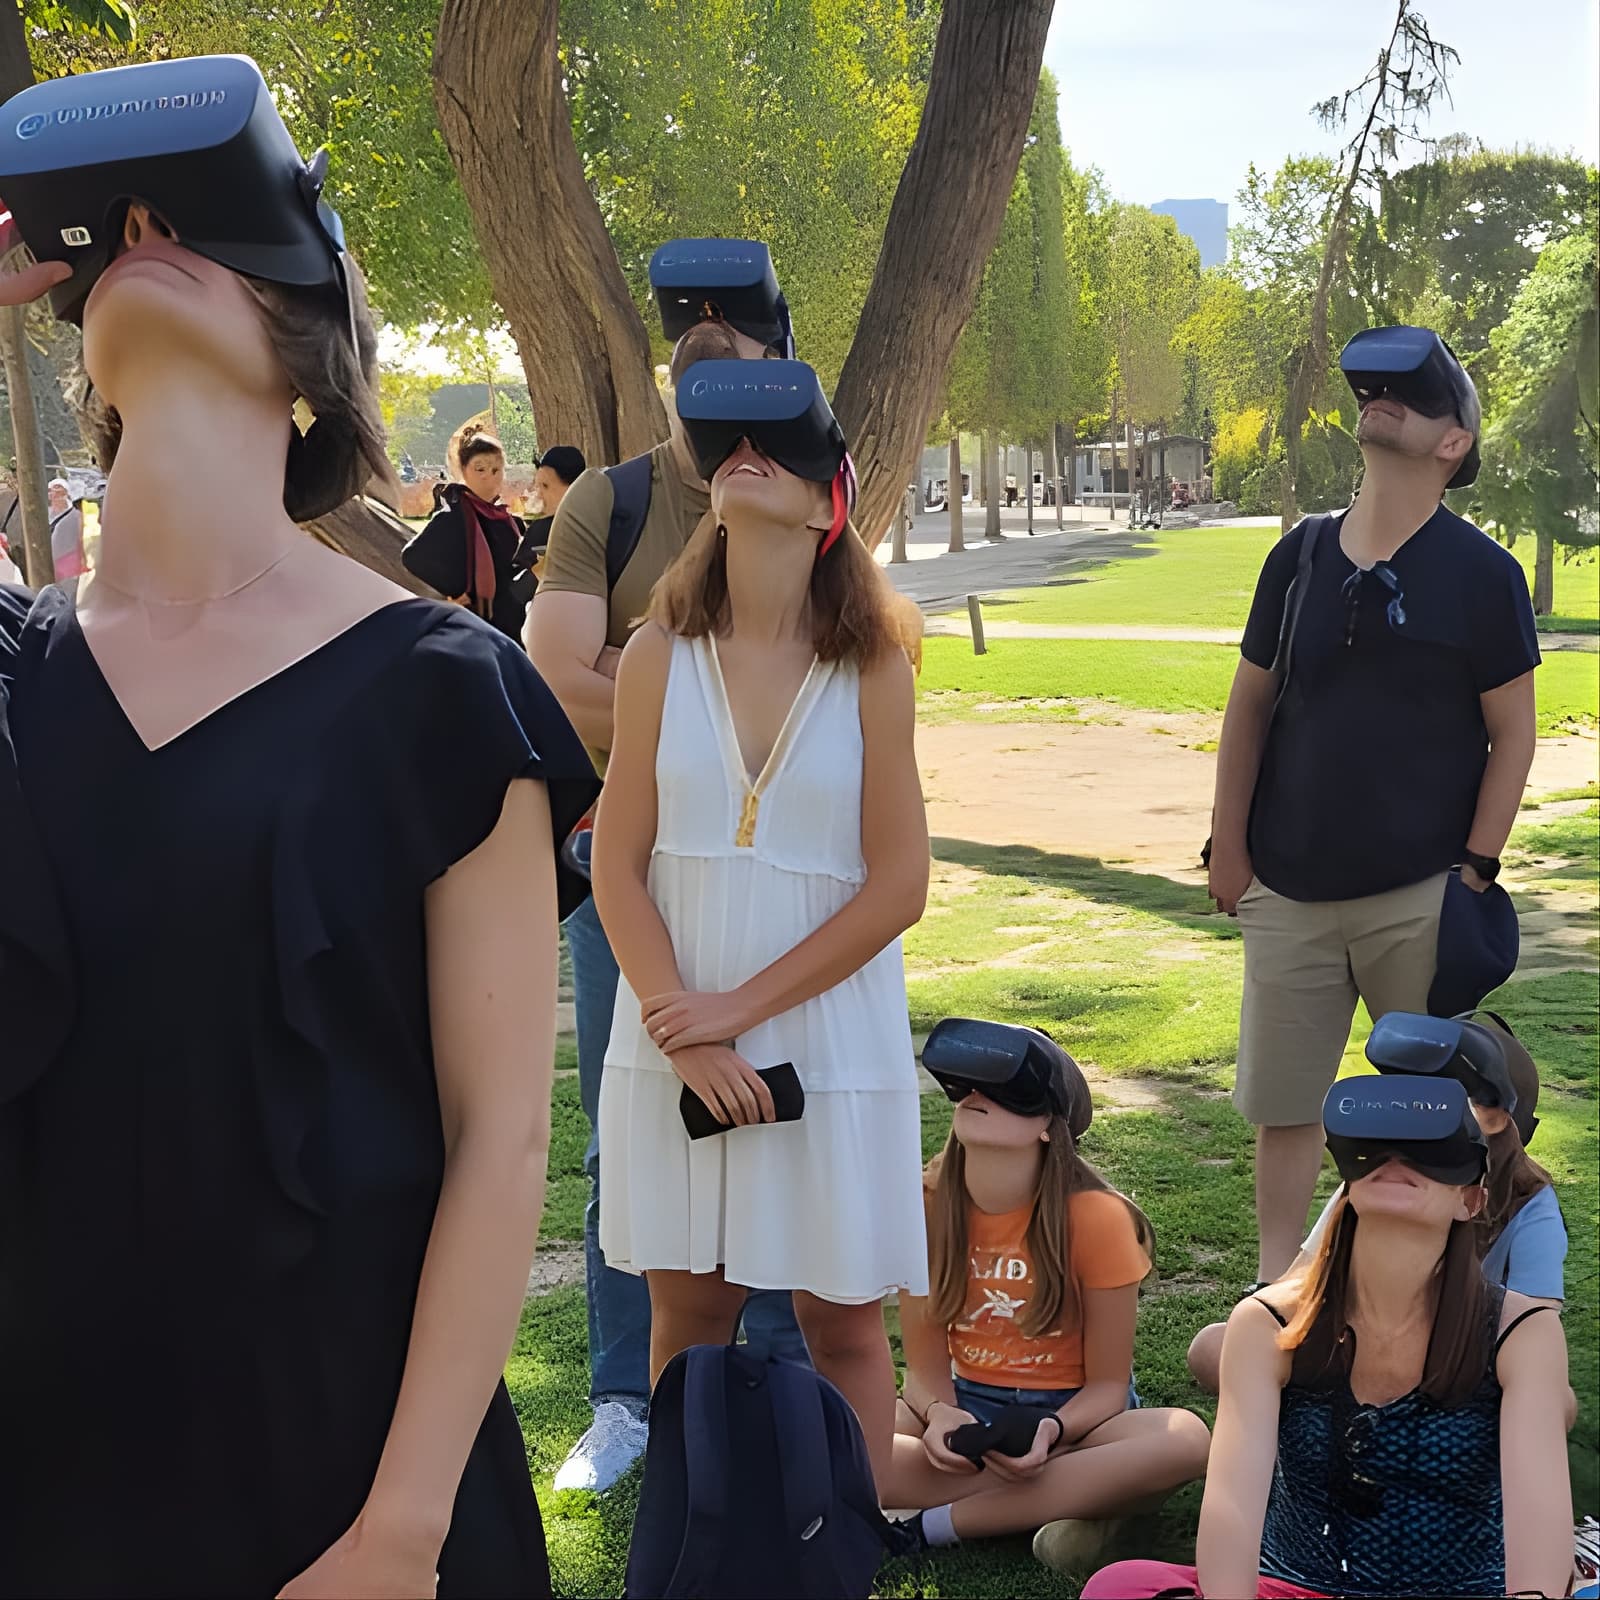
[
  {"x": 955, "y": 187},
  {"x": 504, "y": 116},
  {"x": 954, "y": 501},
  {"x": 16, "y": 74},
  {"x": 367, "y": 531},
  {"x": 1544, "y": 574}
]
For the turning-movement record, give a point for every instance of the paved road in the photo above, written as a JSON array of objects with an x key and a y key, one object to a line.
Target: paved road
[{"x": 941, "y": 582}]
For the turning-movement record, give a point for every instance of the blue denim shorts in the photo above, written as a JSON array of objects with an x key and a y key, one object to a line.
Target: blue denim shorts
[{"x": 986, "y": 1401}]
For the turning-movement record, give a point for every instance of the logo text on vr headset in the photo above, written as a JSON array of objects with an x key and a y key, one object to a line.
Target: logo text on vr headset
[
  {"x": 66, "y": 116},
  {"x": 1350, "y": 1103},
  {"x": 707, "y": 386}
]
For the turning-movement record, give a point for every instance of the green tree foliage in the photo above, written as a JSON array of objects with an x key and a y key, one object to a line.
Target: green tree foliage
[
  {"x": 352, "y": 75},
  {"x": 787, "y": 122},
  {"x": 1152, "y": 278},
  {"x": 1541, "y": 470},
  {"x": 1453, "y": 238}
]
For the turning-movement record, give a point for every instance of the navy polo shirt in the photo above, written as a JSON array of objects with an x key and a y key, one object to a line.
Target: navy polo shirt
[{"x": 1370, "y": 775}]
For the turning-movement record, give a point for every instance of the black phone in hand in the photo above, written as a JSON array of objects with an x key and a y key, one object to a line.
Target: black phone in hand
[{"x": 783, "y": 1083}]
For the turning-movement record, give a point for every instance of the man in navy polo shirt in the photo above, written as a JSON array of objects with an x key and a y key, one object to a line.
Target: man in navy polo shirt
[{"x": 1389, "y": 744}]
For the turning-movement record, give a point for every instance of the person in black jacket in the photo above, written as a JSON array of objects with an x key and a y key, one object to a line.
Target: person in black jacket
[
  {"x": 559, "y": 468},
  {"x": 470, "y": 548}
]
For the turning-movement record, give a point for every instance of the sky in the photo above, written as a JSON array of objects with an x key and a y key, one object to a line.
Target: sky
[{"x": 1173, "y": 100}]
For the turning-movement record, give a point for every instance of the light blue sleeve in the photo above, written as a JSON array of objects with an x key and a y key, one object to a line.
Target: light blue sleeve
[{"x": 1530, "y": 1255}]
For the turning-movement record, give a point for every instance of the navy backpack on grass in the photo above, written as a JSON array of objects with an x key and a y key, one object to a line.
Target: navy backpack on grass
[{"x": 756, "y": 1483}]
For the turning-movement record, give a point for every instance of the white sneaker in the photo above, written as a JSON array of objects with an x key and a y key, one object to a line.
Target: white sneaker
[{"x": 615, "y": 1440}]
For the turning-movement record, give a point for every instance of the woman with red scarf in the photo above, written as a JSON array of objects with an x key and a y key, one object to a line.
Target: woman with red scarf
[{"x": 467, "y": 549}]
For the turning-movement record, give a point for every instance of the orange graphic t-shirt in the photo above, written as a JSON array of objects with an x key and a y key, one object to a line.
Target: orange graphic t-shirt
[{"x": 986, "y": 1345}]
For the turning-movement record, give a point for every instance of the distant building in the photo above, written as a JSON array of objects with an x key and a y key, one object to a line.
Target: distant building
[{"x": 1204, "y": 221}]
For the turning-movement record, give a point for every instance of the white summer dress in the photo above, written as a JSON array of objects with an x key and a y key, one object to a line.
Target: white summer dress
[{"x": 741, "y": 872}]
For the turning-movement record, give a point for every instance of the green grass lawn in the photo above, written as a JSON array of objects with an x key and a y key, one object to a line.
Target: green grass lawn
[
  {"x": 1205, "y": 577},
  {"x": 1140, "y": 979},
  {"x": 1010, "y": 682}
]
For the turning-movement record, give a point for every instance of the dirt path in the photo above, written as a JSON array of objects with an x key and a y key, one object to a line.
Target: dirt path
[{"x": 1134, "y": 786}]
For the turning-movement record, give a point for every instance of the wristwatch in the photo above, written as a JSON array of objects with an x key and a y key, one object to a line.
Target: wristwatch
[{"x": 1487, "y": 867}]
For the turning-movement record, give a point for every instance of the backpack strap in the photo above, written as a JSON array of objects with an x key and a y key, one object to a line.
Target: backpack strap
[
  {"x": 1293, "y": 603},
  {"x": 705, "y": 1451},
  {"x": 630, "y": 505},
  {"x": 804, "y": 1465}
]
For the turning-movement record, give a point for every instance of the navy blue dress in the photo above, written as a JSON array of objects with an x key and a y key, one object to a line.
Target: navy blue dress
[{"x": 220, "y": 1143}]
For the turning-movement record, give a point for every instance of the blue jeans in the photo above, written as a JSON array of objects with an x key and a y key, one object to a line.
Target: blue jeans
[
  {"x": 619, "y": 1302},
  {"x": 986, "y": 1401}
]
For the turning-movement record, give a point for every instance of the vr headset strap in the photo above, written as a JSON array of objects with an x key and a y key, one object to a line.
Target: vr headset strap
[{"x": 630, "y": 505}]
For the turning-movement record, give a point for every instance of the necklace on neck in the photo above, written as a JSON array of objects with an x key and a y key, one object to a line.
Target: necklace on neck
[{"x": 198, "y": 599}]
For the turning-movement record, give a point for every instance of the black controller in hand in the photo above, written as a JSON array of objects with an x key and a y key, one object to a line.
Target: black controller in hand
[{"x": 1010, "y": 1434}]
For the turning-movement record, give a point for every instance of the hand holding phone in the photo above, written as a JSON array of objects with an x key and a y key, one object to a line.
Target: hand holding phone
[{"x": 776, "y": 1091}]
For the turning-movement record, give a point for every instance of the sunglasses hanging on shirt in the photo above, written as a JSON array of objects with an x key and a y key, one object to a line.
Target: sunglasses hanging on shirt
[{"x": 1395, "y": 610}]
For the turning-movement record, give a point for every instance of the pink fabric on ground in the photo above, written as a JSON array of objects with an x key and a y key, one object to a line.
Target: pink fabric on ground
[{"x": 1142, "y": 1580}]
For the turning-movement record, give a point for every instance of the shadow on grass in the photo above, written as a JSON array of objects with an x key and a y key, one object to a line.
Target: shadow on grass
[{"x": 1184, "y": 905}]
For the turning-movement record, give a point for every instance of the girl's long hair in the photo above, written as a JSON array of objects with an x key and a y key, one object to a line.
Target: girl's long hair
[
  {"x": 1459, "y": 1346},
  {"x": 850, "y": 602},
  {"x": 1049, "y": 1236},
  {"x": 1514, "y": 1179}
]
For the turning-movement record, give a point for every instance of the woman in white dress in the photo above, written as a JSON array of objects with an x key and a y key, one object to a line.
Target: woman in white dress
[{"x": 760, "y": 848}]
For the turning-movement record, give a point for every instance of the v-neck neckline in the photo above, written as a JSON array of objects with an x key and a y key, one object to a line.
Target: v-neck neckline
[
  {"x": 733, "y": 750},
  {"x": 314, "y": 653}
]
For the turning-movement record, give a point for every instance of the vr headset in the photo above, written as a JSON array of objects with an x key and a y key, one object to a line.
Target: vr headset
[
  {"x": 1420, "y": 370},
  {"x": 727, "y": 280},
  {"x": 1454, "y": 1047},
  {"x": 199, "y": 141},
  {"x": 780, "y": 408},
  {"x": 1426, "y": 1122},
  {"x": 1020, "y": 1069}
]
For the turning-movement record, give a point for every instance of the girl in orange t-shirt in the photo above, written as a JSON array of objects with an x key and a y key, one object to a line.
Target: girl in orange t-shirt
[{"x": 1034, "y": 1271}]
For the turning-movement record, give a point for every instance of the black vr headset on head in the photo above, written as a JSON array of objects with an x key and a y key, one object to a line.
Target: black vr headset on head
[
  {"x": 1420, "y": 370},
  {"x": 199, "y": 141},
  {"x": 1020, "y": 1069},
  {"x": 1426, "y": 1122},
  {"x": 728, "y": 280},
  {"x": 778, "y": 406},
  {"x": 1451, "y": 1047}
]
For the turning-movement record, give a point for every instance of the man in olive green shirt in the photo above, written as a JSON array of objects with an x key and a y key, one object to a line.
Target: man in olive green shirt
[{"x": 576, "y": 628}]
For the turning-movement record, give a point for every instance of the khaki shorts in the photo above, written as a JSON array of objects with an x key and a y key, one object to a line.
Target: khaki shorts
[{"x": 1305, "y": 965}]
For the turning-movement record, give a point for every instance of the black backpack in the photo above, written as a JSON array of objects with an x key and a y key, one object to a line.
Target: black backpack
[
  {"x": 756, "y": 1483},
  {"x": 630, "y": 505}
]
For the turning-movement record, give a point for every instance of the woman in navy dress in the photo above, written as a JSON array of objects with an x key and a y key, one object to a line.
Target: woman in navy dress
[{"x": 278, "y": 956}]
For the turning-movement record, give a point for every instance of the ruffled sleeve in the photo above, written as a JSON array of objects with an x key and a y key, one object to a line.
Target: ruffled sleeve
[{"x": 483, "y": 718}]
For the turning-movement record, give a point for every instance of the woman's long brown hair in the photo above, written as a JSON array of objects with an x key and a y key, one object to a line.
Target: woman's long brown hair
[
  {"x": 1459, "y": 1346},
  {"x": 850, "y": 602},
  {"x": 1514, "y": 1179},
  {"x": 1055, "y": 1294}
]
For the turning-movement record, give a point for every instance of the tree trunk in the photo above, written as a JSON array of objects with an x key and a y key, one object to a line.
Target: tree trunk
[
  {"x": 1030, "y": 489},
  {"x": 32, "y": 501},
  {"x": 16, "y": 74},
  {"x": 995, "y": 455},
  {"x": 1544, "y": 575},
  {"x": 985, "y": 469},
  {"x": 1069, "y": 440},
  {"x": 367, "y": 531},
  {"x": 1055, "y": 469},
  {"x": 1133, "y": 456},
  {"x": 955, "y": 187},
  {"x": 956, "y": 543},
  {"x": 504, "y": 116},
  {"x": 1112, "y": 436}
]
